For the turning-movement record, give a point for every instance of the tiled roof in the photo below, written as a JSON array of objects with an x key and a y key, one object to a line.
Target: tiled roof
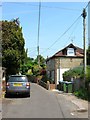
[{"x": 78, "y": 53}]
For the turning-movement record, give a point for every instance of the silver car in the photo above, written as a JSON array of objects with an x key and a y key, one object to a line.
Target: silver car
[{"x": 18, "y": 84}]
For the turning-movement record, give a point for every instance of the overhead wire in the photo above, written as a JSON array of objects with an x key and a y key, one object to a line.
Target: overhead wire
[
  {"x": 57, "y": 7},
  {"x": 65, "y": 31},
  {"x": 44, "y": 6},
  {"x": 74, "y": 29},
  {"x": 62, "y": 34},
  {"x": 87, "y": 4}
]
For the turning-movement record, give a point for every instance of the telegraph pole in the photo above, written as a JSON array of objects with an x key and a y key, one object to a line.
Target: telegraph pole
[
  {"x": 88, "y": 24},
  {"x": 38, "y": 33},
  {"x": 84, "y": 14}
]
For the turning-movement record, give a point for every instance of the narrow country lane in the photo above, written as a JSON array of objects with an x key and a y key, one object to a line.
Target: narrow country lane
[{"x": 41, "y": 104}]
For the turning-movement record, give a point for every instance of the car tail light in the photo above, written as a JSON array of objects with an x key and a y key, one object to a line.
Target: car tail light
[
  {"x": 27, "y": 85},
  {"x": 7, "y": 85}
]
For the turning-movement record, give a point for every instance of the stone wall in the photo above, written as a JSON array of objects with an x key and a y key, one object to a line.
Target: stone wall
[
  {"x": 68, "y": 62},
  {"x": 51, "y": 65}
]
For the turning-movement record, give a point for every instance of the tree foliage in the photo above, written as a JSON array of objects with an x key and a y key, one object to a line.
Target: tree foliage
[
  {"x": 13, "y": 52},
  {"x": 42, "y": 61},
  {"x": 31, "y": 64},
  {"x": 14, "y": 56}
]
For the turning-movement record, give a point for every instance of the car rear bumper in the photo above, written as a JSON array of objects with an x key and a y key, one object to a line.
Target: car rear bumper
[{"x": 27, "y": 91}]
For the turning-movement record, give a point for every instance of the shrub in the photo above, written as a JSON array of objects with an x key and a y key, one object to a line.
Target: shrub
[
  {"x": 82, "y": 93},
  {"x": 75, "y": 72},
  {"x": 88, "y": 74}
]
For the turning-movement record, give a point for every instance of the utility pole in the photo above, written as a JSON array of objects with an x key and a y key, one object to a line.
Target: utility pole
[
  {"x": 89, "y": 24},
  {"x": 84, "y": 14},
  {"x": 38, "y": 33}
]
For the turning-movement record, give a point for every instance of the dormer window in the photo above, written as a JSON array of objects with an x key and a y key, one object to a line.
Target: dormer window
[{"x": 70, "y": 52}]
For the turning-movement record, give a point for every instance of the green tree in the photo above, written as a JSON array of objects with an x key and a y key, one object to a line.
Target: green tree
[
  {"x": 42, "y": 61},
  {"x": 13, "y": 52},
  {"x": 28, "y": 64},
  {"x": 32, "y": 64},
  {"x": 88, "y": 56}
]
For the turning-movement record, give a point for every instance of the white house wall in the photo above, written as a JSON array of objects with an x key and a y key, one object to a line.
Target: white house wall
[{"x": 60, "y": 74}]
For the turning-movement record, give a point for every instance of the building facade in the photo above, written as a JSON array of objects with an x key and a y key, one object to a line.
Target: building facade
[{"x": 69, "y": 57}]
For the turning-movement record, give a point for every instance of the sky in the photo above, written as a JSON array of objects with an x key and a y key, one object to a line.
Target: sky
[
  {"x": 61, "y": 23},
  {"x": 89, "y": 25}
]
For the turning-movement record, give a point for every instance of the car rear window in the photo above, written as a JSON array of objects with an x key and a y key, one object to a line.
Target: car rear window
[{"x": 18, "y": 79}]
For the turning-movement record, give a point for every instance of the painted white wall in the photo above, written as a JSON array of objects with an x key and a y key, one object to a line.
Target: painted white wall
[
  {"x": 57, "y": 76},
  {"x": 60, "y": 74}
]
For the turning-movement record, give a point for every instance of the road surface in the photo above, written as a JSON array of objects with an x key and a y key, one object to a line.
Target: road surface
[{"x": 41, "y": 104}]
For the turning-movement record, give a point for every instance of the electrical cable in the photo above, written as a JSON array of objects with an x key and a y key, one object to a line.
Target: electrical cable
[
  {"x": 74, "y": 29},
  {"x": 66, "y": 30},
  {"x": 57, "y": 8},
  {"x": 63, "y": 34},
  {"x": 87, "y": 4},
  {"x": 72, "y": 9}
]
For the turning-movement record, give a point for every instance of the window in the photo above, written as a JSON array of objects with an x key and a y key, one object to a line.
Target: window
[
  {"x": 18, "y": 79},
  {"x": 70, "y": 52}
]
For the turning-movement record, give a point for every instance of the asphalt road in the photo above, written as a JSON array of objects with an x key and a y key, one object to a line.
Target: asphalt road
[{"x": 41, "y": 104}]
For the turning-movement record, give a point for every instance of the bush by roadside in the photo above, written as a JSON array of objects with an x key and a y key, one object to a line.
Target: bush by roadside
[{"x": 83, "y": 93}]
